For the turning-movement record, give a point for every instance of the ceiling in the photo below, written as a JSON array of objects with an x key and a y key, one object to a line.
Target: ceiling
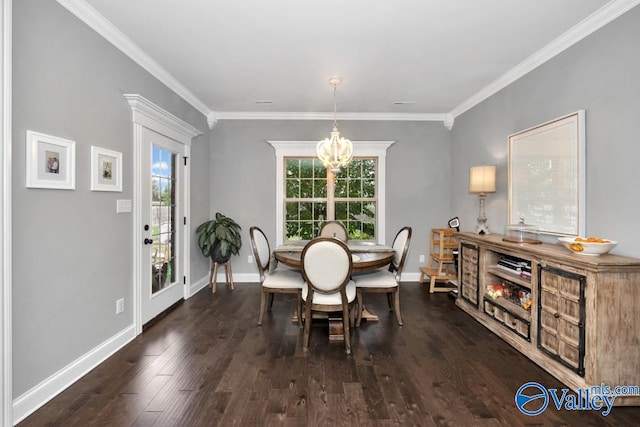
[{"x": 402, "y": 59}]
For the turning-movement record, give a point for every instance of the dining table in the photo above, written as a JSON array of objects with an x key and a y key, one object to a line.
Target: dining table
[{"x": 366, "y": 255}]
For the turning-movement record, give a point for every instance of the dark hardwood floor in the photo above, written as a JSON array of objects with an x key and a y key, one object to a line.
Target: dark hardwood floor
[{"x": 206, "y": 363}]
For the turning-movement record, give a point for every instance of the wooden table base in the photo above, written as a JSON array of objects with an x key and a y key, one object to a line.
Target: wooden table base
[{"x": 336, "y": 330}]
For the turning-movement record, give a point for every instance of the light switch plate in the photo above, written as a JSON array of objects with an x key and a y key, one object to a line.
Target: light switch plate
[{"x": 123, "y": 206}]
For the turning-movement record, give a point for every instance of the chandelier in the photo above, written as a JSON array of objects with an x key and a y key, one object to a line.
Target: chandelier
[{"x": 335, "y": 152}]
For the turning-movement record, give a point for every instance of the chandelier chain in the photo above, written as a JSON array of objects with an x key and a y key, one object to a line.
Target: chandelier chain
[{"x": 335, "y": 105}]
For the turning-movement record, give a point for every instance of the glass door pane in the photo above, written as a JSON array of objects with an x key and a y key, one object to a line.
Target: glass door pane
[{"x": 163, "y": 216}]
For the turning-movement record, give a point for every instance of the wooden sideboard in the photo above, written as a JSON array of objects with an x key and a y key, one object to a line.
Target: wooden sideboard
[{"x": 583, "y": 322}]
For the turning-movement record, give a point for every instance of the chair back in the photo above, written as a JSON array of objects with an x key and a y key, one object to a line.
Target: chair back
[
  {"x": 401, "y": 246},
  {"x": 261, "y": 250},
  {"x": 334, "y": 229},
  {"x": 326, "y": 265}
]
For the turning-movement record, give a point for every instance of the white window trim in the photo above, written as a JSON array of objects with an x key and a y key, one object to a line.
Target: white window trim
[{"x": 376, "y": 149}]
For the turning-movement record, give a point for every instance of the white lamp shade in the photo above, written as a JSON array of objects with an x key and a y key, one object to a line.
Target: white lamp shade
[{"x": 482, "y": 179}]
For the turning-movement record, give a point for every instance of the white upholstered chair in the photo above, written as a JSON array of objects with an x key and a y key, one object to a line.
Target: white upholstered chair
[
  {"x": 334, "y": 229},
  {"x": 386, "y": 280},
  {"x": 273, "y": 281},
  {"x": 326, "y": 267}
]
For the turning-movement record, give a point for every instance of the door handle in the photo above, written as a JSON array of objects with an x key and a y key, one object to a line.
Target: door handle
[{"x": 148, "y": 241}]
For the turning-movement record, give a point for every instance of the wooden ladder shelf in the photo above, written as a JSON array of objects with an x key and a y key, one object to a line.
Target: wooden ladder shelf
[{"x": 441, "y": 266}]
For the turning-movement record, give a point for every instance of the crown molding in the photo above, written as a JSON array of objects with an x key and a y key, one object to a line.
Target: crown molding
[
  {"x": 587, "y": 26},
  {"x": 212, "y": 119},
  {"x": 101, "y": 25},
  {"x": 252, "y": 115}
]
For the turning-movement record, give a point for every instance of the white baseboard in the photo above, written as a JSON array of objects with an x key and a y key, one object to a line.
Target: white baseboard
[
  {"x": 198, "y": 285},
  {"x": 410, "y": 277},
  {"x": 238, "y": 277},
  {"x": 33, "y": 399},
  {"x": 220, "y": 278}
]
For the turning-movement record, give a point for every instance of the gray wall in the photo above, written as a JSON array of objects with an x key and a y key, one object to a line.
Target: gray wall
[
  {"x": 72, "y": 254},
  {"x": 243, "y": 175},
  {"x": 599, "y": 75}
]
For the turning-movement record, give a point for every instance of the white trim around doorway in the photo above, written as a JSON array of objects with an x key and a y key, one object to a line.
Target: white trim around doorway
[
  {"x": 146, "y": 114},
  {"x": 6, "y": 378}
]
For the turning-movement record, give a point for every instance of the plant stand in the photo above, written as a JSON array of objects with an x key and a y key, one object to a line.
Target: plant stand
[{"x": 213, "y": 275}]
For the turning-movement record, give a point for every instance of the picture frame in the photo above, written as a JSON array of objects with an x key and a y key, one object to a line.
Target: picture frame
[
  {"x": 547, "y": 176},
  {"x": 106, "y": 170},
  {"x": 51, "y": 162}
]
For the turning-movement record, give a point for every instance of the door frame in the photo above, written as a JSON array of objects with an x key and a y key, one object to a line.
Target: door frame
[{"x": 146, "y": 114}]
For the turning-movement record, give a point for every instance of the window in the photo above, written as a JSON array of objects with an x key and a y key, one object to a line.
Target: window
[
  {"x": 306, "y": 198},
  {"x": 301, "y": 191}
]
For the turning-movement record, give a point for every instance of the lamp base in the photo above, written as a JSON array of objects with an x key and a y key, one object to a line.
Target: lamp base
[{"x": 482, "y": 229}]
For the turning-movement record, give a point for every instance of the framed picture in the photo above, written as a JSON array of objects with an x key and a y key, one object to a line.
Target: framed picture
[
  {"x": 51, "y": 161},
  {"x": 106, "y": 170},
  {"x": 547, "y": 176}
]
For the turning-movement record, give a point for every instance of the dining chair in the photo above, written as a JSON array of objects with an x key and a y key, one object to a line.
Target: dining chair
[
  {"x": 327, "y": 267},
  {"x": 273, "y": 280},
  {"x": 387, "y": 281},
  {"x": 334, "y": 229}
]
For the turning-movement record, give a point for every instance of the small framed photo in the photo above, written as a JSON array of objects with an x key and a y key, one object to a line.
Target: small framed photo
[
  {"x": 51, "y": 162},
  {"x": 106, "y": 170}
]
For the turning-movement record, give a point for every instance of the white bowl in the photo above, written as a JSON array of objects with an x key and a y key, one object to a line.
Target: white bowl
[{"x": 587, "y": 248}]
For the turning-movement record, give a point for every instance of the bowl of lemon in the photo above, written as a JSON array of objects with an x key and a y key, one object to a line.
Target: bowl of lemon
[{"x": 590, "y": 246}]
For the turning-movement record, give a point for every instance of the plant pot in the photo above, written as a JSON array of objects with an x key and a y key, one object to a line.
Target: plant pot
[{"x": 216, "y": 255}]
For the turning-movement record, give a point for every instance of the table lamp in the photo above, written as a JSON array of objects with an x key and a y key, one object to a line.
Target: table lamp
[{"x": 482, "y": 180}]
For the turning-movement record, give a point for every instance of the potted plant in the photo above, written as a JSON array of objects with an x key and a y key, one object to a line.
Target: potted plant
[{"x": 219, "y": 238}]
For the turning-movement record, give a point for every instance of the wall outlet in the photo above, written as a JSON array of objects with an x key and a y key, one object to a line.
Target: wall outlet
[
  {"x": 120, "y": 306},
  {"x": 421, "y": 258},
  {"x": 250, "y": 259}
]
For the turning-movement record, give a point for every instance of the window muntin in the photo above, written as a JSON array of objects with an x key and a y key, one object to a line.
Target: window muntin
[{"x": 306, "y": 198}]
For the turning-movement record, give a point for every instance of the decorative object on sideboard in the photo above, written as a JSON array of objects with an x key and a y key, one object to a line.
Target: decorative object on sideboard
[
  {"x": 546, "y": 176},
  {"x": 521, "y": 233},
  {"x": 590, "y": 246},
  {"x": 335, "y": 152},
  {"x": 482, "y": 180}
]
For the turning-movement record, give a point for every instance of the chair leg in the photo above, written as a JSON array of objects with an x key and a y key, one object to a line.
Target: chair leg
[
  {"x": 359, "y": 307},
  {"x": 271, "y": 296},
  {"x": 263, "y": 302},
  {"x": 352, "y": 313},
  {"x": 307, "y": 324},
  {"x": 347, "y": 334},
  {"x": 396, "y": 300},
  {"x": 432, "y": 285},
  {"x": 299, "y": 308},
  {"x": 390, "y": 300}
]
